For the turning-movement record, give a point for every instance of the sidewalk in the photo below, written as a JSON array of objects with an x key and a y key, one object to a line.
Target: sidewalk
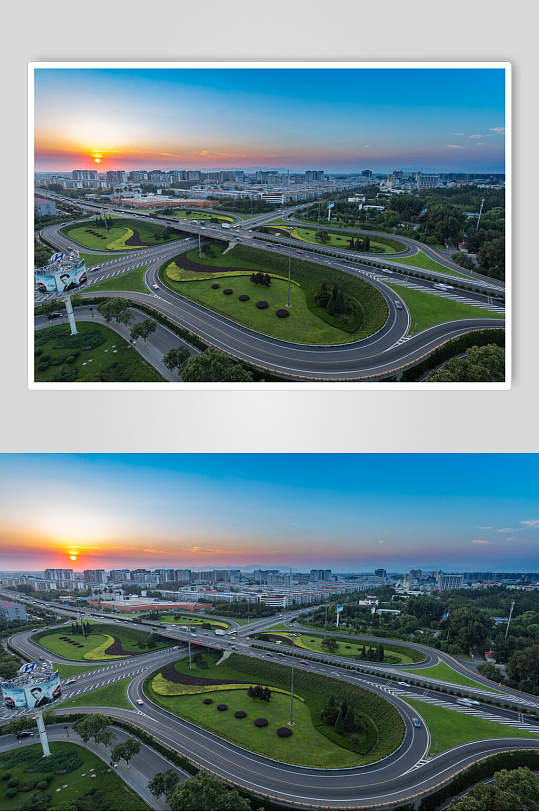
[{"x": 137, "y": 774}]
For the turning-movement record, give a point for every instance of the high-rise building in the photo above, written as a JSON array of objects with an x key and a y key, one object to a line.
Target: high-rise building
[
  {"x": 314, "y": 174},
  {"x": 43, "y": 208},
  {"x": 95, "y": 576},
  {"x": 320, "y": 575},
  {"x": 84, "y": 174},
  {"x": 381, "y": 573},
  {"x": 415, "y": 574},
  {"x": 427, "y": 181},
  {"x": 118, "y": 576},
  {"x": 366, "y": 173},
  {"x": 116, "y": 176},
  {"x": 182, "y": 576},
  {"x": 58, "y": 575},
  {"x": 11, "y": 611},
  {"x": 138, "y": 175}
]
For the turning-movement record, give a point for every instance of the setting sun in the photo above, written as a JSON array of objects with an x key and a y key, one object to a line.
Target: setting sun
[
  {"x": 97, "y": 160},
  {"x": 72, "y": 557}
]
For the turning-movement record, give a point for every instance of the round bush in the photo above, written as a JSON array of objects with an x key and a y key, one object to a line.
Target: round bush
[
  {"x": 282, "y": 313},
  {"x": 216, "y": 285},
  {"x": 13, "y": 782},
  {"x": 228, "y": 291},
  {"x": 11, "y": 793},
  {"x": 262, "y": 305},
  {"x": 41, "y": 785},
  {"x": 260, "y": 722},
  {"x": 240, "y": 714},
  {"x": 244, "y": 297},
  {"x": 208, "y": 701},
  {"x": 6, "y": 776},
  {"x": 284, "y": 732},
  {"x": 222, "y": 707}
]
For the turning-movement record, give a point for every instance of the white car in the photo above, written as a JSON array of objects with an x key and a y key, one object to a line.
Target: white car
[
  {"x": 155, "y": 287},
  {"x": 403, "y": 683},
  {"x": 70, "y": 681},
  {"x": 140, "y": 702}
]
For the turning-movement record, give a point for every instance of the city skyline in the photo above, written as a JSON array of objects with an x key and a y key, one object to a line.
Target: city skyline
[
  {"x": 338, "y": 119},
  {"x": 451, "y": 512}
]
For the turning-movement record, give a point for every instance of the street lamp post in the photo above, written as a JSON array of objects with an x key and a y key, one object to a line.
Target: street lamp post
[
  {"x": 291, "y": 722},
  {"x": 189, "y": 647}
]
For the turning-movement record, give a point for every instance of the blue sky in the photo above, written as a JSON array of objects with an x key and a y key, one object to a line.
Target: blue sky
[
  {"x": 335, "y": 119},
  {"x": 350, "y": 512}
]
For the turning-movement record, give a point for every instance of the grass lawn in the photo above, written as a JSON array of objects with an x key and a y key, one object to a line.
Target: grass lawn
[
  {"x": 345, "y": 648},
  {"x": 313, "y": 743},
  {"x": 97, "y": 259},
  {"x": 122, "y": 234},
  {"x": 72, "y": 670},
  {"x": 308, "y": 322},
  {"x": 192, "y": 214},
  {"x": 450, "y": 728},
  {"x": 445, "y": 672},
  {"x": 131, "y": 280},
  {"x": 96, "y": 642},
  {"x": 189, "y": 620},
  {"x": 421, "y": 260},
  {"x": 378, "y": 245},
  {"x": 96, "y": 353},
  {"x": 87, "y": 780},
  {"x": 113, "y": 696},
  {"x": 426, "y": 309}
]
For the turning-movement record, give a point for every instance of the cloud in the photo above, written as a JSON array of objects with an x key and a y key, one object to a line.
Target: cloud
[
  {"x": 486, "y": 527},
  {"x": 476, "y": 135},
  {"x": 506, "y": 530},
  {"x": 203, "y": 153},
  {"x": 479, "y": 143},
  {"x": 455, "y": 146},
  {"x": 480, "y": 541},
  {"x": 530, "y": 522},
  {"x": 381, "y": 541},
  {"x": 497, "y": 130}
]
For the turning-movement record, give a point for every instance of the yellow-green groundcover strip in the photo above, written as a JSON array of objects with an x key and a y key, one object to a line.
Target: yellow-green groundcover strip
[
  {"x": 165, "y": 688},
  {"x": 99, "y": 652}
]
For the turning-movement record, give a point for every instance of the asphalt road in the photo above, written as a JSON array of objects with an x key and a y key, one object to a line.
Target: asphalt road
[
  {"x": 387, "y": 352},
  {"x": 406, "y": 773}
]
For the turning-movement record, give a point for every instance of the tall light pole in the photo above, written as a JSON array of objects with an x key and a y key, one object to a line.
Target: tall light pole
[
  {"x": 199, "y": 249},
  {"x": 289, "y": 268},
  {"x": 480, "y": 213},
  {"x": 291, "y": 722},
  {"x": 509, "y": 619},
  {"x": 189, "y": 649}
]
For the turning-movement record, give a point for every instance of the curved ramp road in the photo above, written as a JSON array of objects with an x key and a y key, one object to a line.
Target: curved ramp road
[{"x": 385, "y": 353}]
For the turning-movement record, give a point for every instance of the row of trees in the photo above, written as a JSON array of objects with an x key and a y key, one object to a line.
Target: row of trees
[
  {"x": 358, "y": 244},
  {"x": 260, "y": 278},
  {"x": 480, "y": 364},
  {"x": 332, "y": 299},
  {"x": 259, "y": 692},
  {"x": 340, "y": 714},
  {"x": 201, "y": 792},
  {"x": 96, "y": 727}
]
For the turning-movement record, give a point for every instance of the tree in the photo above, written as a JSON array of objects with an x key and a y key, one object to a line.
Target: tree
[
  {"x": 339, "y": 302},
  {"x": 339, "y": 724},
  {"x": 204, "y": 792},
  {"x": 511, "y": 789},
  {"x": 330, "y": 712},
  {"x": 331, "y": 304},
  {"x": 523, "y": 668},
  {"x": 212, "y": 365},
  {"x": 125, "y": 750},
  {"x": 163, "y": 783},
  {"x": 175, "y": 357},
  {"x": 143, "y": 329},
  {"x": 349, "y": 720},
  {"x": 115, "y": 309},
  {"x": 323, "y": 236},
  {"x": 92, "y": 727},
  {"x": 322, "y": 297},
  {"x": 330, "y": 644},
  {"x": 481, "y": 364}
]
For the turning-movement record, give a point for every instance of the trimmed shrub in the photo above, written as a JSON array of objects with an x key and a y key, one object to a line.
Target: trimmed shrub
[
  {"x": 240, "y": 714},
  {"x": 13, "y": 782},
  {"x": 6, "y": 777},
  {"x": 208, "y": 701},
  {"x": 27, "y": 786},
  {"x": 228, "y": 291},
  {"x": 42, "y": 784},
  {"x": 282, "y": 313},
  {"x": 244, "y": 297},
  {"x": 262, "y": 305},
  {"x": 262, "y": 722},
  {"x": 11, "y": 793},
  {"x": 216, "y": 285},
  {"x": 284, "y": 732},
  {"x": 222, "y": 707}
]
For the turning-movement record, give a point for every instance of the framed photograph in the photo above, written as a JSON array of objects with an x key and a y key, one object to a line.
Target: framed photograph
[{"x": 269, "y": 225}]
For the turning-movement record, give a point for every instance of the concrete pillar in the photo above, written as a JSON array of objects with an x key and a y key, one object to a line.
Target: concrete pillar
[
  {"x": 42, "y": 734},
  {"x": 71, "y": 315}
]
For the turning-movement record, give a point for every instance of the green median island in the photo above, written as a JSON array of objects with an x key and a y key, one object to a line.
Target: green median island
[
  {"x": 130, "y": 280},
  {"x": 100, "y": 642},
  {"x": 96, "y": 353},
  {"x": 109, "y": 696},
  {"x": 427, "y": 309},
  {"x": 70, "y": 778},
  {"x": 193, "y": 214},
  {"x": 449, "y": 728},
  {"x": 247, "y": 701},
  {"x": 250, "y": 286},
  {"x": 365, "y": 243},
  {"x": 358, "y": 649},
  {"x": 119, "y": 234},
  {"x": 188, "y": 620},
  {"x": 421, "y": 260},
  {"x": 447, "y": 674}
]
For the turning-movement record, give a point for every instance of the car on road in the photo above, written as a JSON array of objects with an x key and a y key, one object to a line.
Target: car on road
[
  {"x": 299, "y": 252},
  {"x": 52, "y": 316},
  {"x": 22, "y": 734},
  {"x": 416, "y": 722},
  {"x": 155, "y": 287},
  {"x": 70, "y": 681},
  {"x": 96, "y": 267},
  {"x": 467, "y": 702},
  {"x": 304, "y": 662},
  {"x": 403, "y": 683},
  {"x": 398, "y": 304},
  {"x": 140, "y": 702}
]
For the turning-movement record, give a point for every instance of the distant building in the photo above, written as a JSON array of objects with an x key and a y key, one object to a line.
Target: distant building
[
  {"x": 84, "y": 174},
  {"x": 43, "y": 207},
  {"x": 314, "y": 174},
  {"x": 95, "y": 576},
  {"x": 444, "y": 582},
  {"x": 119, "y": 576},
  {"x": 381, "y": 573},
  {"x": 427, "y": 181},
  {"x": 115, "y": 176},
  {"x": 11, "y": 611},
  {"x": 320, "y": 575},
  {"x": 59, "y": 575}
]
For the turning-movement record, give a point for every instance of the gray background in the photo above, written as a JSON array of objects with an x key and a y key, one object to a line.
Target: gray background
[{"x": 270, "y": 420}]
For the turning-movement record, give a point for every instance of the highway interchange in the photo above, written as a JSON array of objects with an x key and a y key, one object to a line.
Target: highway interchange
[
  {"x": 386, "y": 352},
  {"x": 404, "y": 775}
]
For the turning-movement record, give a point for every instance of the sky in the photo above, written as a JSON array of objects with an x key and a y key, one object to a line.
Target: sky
[
  {"x": 339, "y": 120},
  {"x": 350, "y": 512}
]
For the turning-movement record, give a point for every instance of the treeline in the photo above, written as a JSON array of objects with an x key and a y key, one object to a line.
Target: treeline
[{"x": 242, "y": 609}]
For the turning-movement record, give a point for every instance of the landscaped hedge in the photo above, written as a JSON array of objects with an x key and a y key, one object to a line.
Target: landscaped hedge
[
  {"x": 243, "y": 297},
  {"x": 228, "y": 291},
  {"x": 222, "y": 707},
  {"x": 284, "y": 732},
  {"x": 456, "y": 346},
  {"x": 262, "y": 305},
  {"x": 282, "y": 313},
  {"x": 240, "y": 714},
  {"x": 479, "y": 772},
  {"x": 216, "y": 285},
  {"x": 261, "y": 722},
  {"x": 207, "y": 701}
]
